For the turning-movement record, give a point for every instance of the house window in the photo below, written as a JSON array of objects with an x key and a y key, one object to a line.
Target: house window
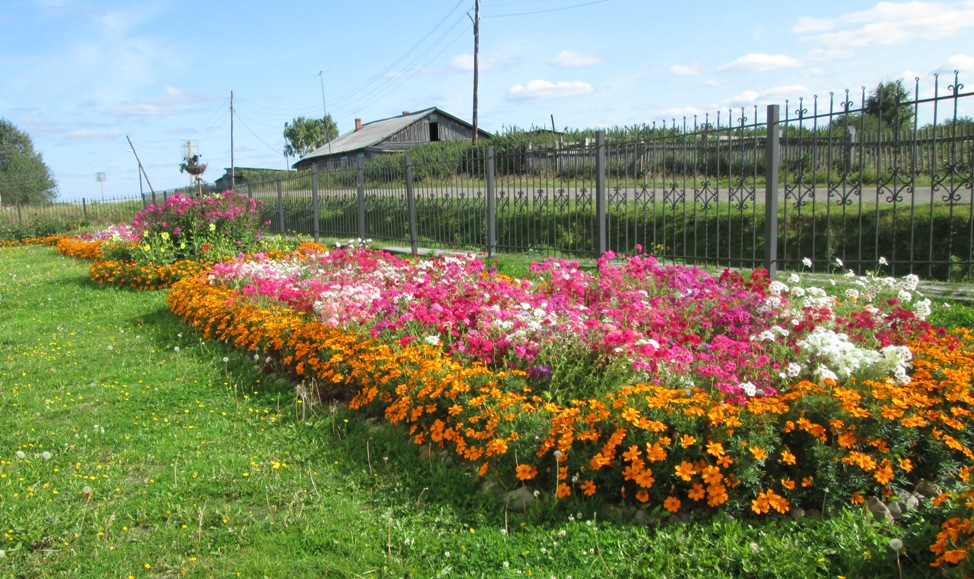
[{"x": 434, "y": 132}]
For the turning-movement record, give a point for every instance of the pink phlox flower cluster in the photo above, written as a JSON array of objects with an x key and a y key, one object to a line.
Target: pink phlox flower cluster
[{"x": 742, "y": 337}]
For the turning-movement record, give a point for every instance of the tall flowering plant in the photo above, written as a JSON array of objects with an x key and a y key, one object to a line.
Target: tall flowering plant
[{"x": 212, "y": 228}]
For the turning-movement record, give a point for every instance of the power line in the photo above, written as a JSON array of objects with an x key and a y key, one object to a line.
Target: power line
[
  {"x": 276, "y": 152},
  {"x": 549, "y": 10}
]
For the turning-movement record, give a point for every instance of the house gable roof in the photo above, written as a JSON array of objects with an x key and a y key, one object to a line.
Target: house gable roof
[{"x": 372, "y": 134}]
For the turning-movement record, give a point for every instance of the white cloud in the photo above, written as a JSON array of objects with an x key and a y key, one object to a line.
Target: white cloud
[
  {"x": 774, "y": 95},
  {"x": 959, "y": 62},
  {"x": 685, "y": 69},
  {"x": 570, "y": 59},
  {"x": 173, "y": 102},
  {"x": 465, "y": 62},
  {"x": 886, "y": 23},
  {"x": 681, "y": 112},
  {"x": 760, "y": 62},
  {"x": 87, "y": 135},
  {"x": 545, "y": 89}
]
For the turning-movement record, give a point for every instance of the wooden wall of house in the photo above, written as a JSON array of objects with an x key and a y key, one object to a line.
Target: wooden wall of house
[{"x": 419, "y": 132}]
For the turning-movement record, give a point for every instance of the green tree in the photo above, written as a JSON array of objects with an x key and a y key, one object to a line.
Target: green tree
[
  {"x": 889, "y": 104},
  {"x": 304, "y": 135},
  {"x": 24, "y": 177}
]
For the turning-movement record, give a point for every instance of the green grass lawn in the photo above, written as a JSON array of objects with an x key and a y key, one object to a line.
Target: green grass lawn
[{"x": 129, "y": 447}]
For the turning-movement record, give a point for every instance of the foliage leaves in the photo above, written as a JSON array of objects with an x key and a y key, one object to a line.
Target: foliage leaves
[{"x": 24, "y": 177}]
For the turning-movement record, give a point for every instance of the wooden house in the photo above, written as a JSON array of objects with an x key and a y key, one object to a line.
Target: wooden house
[{"x": 392, "y": 135}]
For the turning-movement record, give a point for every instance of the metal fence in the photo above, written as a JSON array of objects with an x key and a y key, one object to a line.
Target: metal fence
[
  {"x": 815, "y": 176},
  {"x": 828, "y": 179}
]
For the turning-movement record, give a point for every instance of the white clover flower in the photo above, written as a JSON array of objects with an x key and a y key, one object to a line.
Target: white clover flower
[
  {"x": 176, "y": 349},
  {"x": 46, "y": 455},
  {"x": 20, "y": 454}
]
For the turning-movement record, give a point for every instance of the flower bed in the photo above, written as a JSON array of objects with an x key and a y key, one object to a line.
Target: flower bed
[{"x": 647, "y": 384}]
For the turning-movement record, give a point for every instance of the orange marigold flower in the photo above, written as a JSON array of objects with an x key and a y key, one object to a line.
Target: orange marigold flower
[
  {"x": 716, "y": 495},
  {"x": 787, "y": 457},
  {"x": 632, "y": 454},
  {"x": 807, "y": 481},
  {"x": 672, "y": 504},
  {"x": 588, "y": 488},
  {"x": 715, "y": 448},
  {"x": 687, "y": 440},
  {"x": 857, "y": 498},
  {"x": 955, "y": 556},
  {"x": 712, "y": 475},
  {"x": 564, "y": 490},
  {"x": 526, "y": 472},
  {"x": 884, "y": 473},
  {"x": 788, "y": 483},
  {"x": 906, "y": 465},
  {"x": 655, "y": 453},
  {"x": 684, "y": 470},
  {"x": 645, "y": 478},
  {"x": 642, "y": 496},
  {"x": 725, "y": 461},
  {"x": 697, "y": 492},
  {"x": 758, "y": 452}
]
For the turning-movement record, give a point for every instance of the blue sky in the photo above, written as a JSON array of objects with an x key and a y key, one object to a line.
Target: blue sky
[{"x": 79, "y": 76}]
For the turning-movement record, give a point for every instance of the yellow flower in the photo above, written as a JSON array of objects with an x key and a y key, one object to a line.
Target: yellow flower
[{"x": 213, "y": 227}]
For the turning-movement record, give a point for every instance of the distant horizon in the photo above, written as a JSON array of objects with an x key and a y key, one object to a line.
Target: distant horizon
[{"x": 83, "y": 75}]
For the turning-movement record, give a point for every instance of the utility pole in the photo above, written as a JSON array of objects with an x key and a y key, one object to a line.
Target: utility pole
[
  {"x": 476, "y": 64},
  {"x": 233, "y": 167},
  {"x": 324, "y": 109}
]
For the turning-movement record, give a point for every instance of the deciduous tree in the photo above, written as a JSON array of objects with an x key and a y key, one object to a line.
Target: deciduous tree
[
  {"x": 24, "y": 177},
  {"x": 304, "y": 135}
]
